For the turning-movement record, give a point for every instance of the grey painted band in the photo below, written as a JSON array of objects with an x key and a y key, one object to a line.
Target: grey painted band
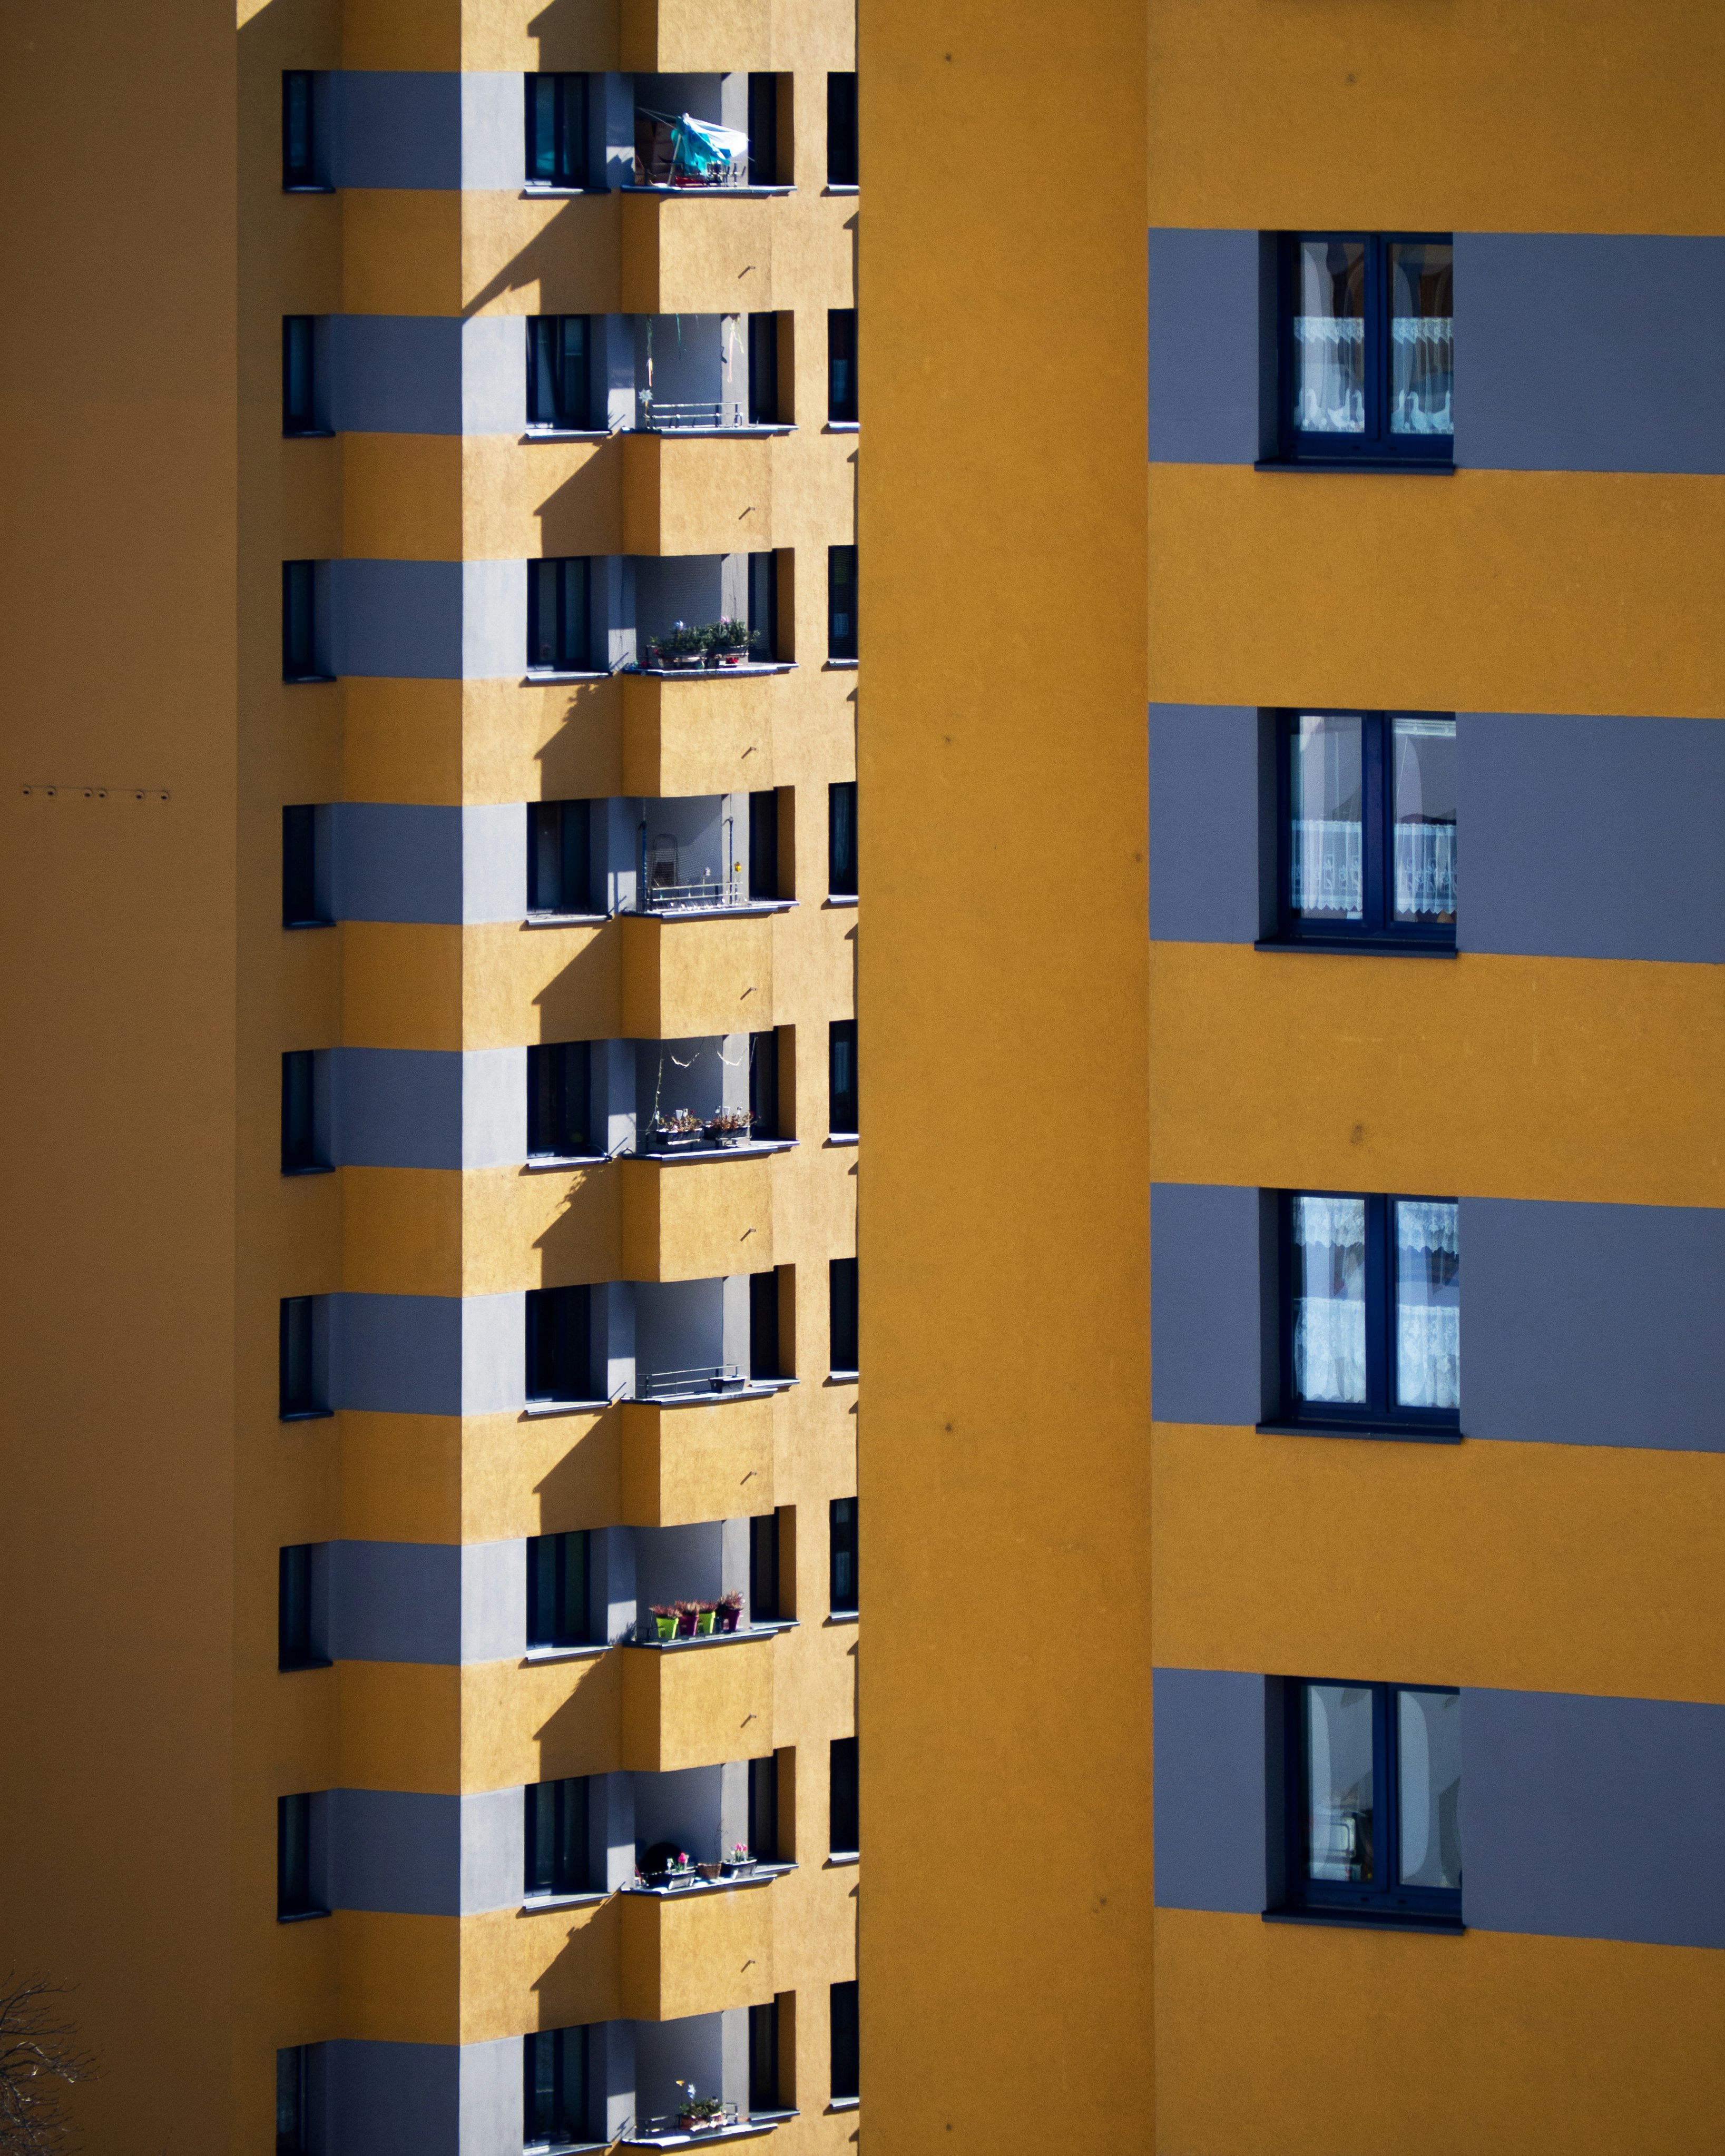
[
  {"x": 1208, "y": 814},
  {"x": 421, "y": 1855},
  {"x": 441, "y": 1602},
  {"x": 426, "y": 374},
  {"x": 1212, "y": 1825},
  {"x": 1203, "y": 369},
  {"x": 426, "y": 1354},
  {"x": 403, "y": 861},
  {"x": 429, "y": 621},
  {"x": 1207, "y": 1345},
  {"x": 411, "y": 1107},
  {"x": 426, "y": 130}
]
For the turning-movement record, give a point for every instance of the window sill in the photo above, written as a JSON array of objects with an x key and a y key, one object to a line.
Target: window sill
[
  {"x": 751, "y": 1389},
  {"x": 1356, "y": 946},
  {"x": 584, "y": 1653},
  {"x": 308, "y": 924},
  {"x": 763, "y": 1875},
  {"x": 841, "y": 1377},
  {"x": 702, "y": 2136},
  {"x": 755, "y": 430},
  {"x": 1407, "y": 468},
  {"x": 531, "y": 1904},
  {"x": 841, "y": 188},
  {"x": 717, "y": 673},
  {"x": 533, "y": 192},
  {"x": 301, "y": 1916},
  {"x": 322, "y": 1168},
  {"x": 837, "y": 1859},
  {"x": 1397, "y": 1433},
  {"x": 844, "y": 2103},
  {"x": 548, "y": 1163},
  {"x": 1363, "y": 1920},
  {"x": 566, "y": 435},
  {"x": 307, "y": 1415},
  {"x": 751, "y": 1151},
  {"x": 841, "y": 1617},
  {"x": 308, "y": 433},
  {"x": 534, "y": 1408},
  {"x": 840, "y": 898},
  {"x": 841, "y": 1138},
  {"x": 306, "y": 188},
  {"x": 305, "y": 680},
  {"x": 769, "y": 1628},
  {"x": 725, "y": 194},
  {"x": 293, "y": 1669},
  {"x": 564, "y": 919},
  {"x": 748, "y": 911},
  {"x": 549, "y": 676},
  {"x": 842, "y": 427},
  {"x": 838, "y": 666}
]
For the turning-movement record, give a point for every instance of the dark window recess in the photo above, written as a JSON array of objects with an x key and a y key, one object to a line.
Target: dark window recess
[
  {"x": 559, "y": 373},
  {"x": 763, "y": 845},
  {"x": 301, "y": 906},
  {"x": 556, "y": 130},
  {"x": 555, "y": 2060},
  {"x": 1371, "y": 1315},
  {"x": 841, "y": 1798},
  {"x": 763, "y": 2032},
  {"x": 302, "y": 160},
  {"x": 763, "y": 1083},
  {"x": 293, "y": 1859},
  {"x": 1367, "y": 348},
  {"x": 841, "y": 1070},
  {"x": 841, "y": 363},
  {"x": 293, "y": 2108},
  {"x": 841, "y": 602},
  {"x": 1367, "y": 815},
  {"x": 560, "y": 1590},
  {"x": 841, "y": 131},
  {"x": 763, "y": 130},
  {"x": 841, "y": 840},
  {"x": 557, "y": 1836},
  {"x": 763, "y": 1558},
  {"x": 841, "y": 1290},
  {"x": 1374, "y": 1800},
  {"x": 300, "y": 1390},
  {"x": 300, "y": 385},
  {"x": 297, "y": 1646},
  {"x": 559, "y": 627},
  {"x": 558, "y": 1360},
  {"x": 301, "y": 1153},
  {"x": 763, "y": 607},
  {"x": 560, "y": 877},
  {"x": 764, "y": 1809},
  {"x": 845, "y": 2043},
  {"x": 763, "y": 1325},
  {"x": 763, "y": 370},
  {"x": 841, "y": 1538},
  {"x": 560, "y": 1100},
  {"x": 300, "y": 625}
]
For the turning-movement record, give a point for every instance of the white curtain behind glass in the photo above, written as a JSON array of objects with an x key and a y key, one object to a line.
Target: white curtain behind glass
[
  {"x": 1428, "y": 1304},
  {"x": 1329, "y": 1311},
  {"x": 1424, "y": 869},
  {"x": 1329, "y": 374}
]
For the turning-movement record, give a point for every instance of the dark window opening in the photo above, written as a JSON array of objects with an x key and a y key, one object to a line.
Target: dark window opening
[
  {"x": 556, "y": 130},
  {"x": 300, "y": 1393},
  {"x": 560, "y": 1590},
  {"x": 841, "y": 131},
  {"x": 300, "y": 625},
  {"x": 301, "y": 1154},
  {"x": 559, "y": 625},
  {"x": 841, "y": 840},
  {"x": 293, "y": 1859},
  {"x": 556, "y": 1839},
  {"x": 559, "y": 372},
  {"x": 1371, "y": 1315},
  {"x": 1367, "y": 348},
  {"x": 841, "y": 1092},
  {"x": 841, "y": 1278},
  {"x": 763, "y": 130},
  {"x": 560, "y": 1100},
  {"x": 555, "y": 2109},
  {"x": 764, "y": 1555},
  {"x": 845, "y": 2040},
  {"x": 1374, "y": 1800},
  {"x": 763, "y": 607},
  {"x": 559, "y": 1362},
  {"x": 842, "y": 1799},
  {"x": 764, "y": 1809},
  {"x": 764, "y": 2043},
  {"x": 300, "y": 414},
  {"x": 297, "y": 1645},
  {"x": 841, "y": 1536},
  {"x": 301, "y": 906},
  {"x": 763, "y": 1325},
  {"x": 302, "y": 165},
  {"x": 841, "y": 602},
  {"x": 763, "y": 370},
  {"x": 560, "y": 866},
  {"x": 1367, "y": 817},
  {"x": 763, "y": 1083},
  {"x": 841, "y": 364},
  {"x": 293, "y": 2120},
  {"x": 763, "y": 845}
]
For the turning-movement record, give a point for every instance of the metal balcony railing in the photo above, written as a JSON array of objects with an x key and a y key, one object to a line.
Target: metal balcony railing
[
  {"x": 661, "y": 418},
  {"x": 685, "y": 897},
  {"x": 706, "y": 1378}
]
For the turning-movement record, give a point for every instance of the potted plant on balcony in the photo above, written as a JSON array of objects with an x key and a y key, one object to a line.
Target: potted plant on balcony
[
  {"x": 696, "y": 2113},
  {"x": 664, "y": 1867},
  {"x": 729, "y": 1610},
  {"x": 706, "y": 1616},
  {"x": 665, "y": 1619},
  {"x": 739, "y": 1864},
  {"x": 679, "y": 648},
  {"x": 731, "y": 1127},
  {"x": 678, "y": 1130},
  {"x": 728, "y": 641},
  {"x": 688, "y": 1616}
]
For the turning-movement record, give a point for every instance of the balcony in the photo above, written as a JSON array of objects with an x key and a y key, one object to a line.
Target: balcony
[
  {"x": 702, "y": 1953},
  {"x": 699, "y": 734},
  {"x": 697, "y": 1458},
  {"x": 695, "y": 1708}
]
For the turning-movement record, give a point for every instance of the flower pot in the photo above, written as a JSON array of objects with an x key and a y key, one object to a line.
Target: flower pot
[
  {"x": 704, "y": 1622},
  {"x": 740, "y": 1867},
  {"x": 728, "y": 1620},
  {"x": 685, "y": 1623},
  {"x": 711, "y": 1872},
  {"x": 667, "y": 1627}
]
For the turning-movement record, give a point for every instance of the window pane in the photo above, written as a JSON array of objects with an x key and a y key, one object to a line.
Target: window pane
[
  {"x": 1338, "y": 1782},
  {"x": 1327, "y": 799},
  {"x": 1422, "y": 351},
  {"x": 1423, "y": 774},
  {"x": 1330, "y": 337},
  {"x": 1330, "y": 1299},
  {"x": 1428, "y": 1304},
  {"x": 1429, "y": 1729}
]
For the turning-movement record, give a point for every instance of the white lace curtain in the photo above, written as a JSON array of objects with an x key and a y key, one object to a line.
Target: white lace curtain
[
  {"x": 1422, "y": 374},
  {"x": 1324, "y": 871},
  {"x": 1329, "y": 374},
  {"x": 1424, "y": 869},
  {"x": 1428, "y": 1303},
  {"x": 1330, "y": 1319}
]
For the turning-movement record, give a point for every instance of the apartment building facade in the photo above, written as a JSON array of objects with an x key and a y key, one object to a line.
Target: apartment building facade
[
  {"x": 1349, "y": 1729},
  {"x": 440, "y": 847}
]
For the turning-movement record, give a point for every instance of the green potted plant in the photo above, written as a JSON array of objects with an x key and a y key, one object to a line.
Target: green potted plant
[
  {"x": 695, "y": 2112},
  {"x": 677, "y": 1130},
  {"x": 729, "y": 1609},
  {"x": 706, "y": 1616},
  {"x": 730, "y": 1127},
  {"x": 728, "y": 641},
  {"x": 739, "y": 1864},
  {"x": 665, "y": 1619}
]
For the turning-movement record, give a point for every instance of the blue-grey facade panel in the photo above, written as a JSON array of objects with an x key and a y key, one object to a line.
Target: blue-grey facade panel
[
  {"x": 1589, "y": 352},
  {"x": 390, "y": 2099},
  {"x": 396, "y": 1850},
  {"x": 397, "y": 861},
  {"x": 399, "y": 620},
  {"x": 1211, "y": 1829},
  {"x": 1591, "y": 838},
  {"x": 1206, "y": 1319},
  {"x": 395, "y": 1602},
  {"x": 1206, "y": 834},
  {"x": 1592, "y": 1324},
  {"x": 1204, "y": 371},
  {"x": 396, "y": 130},
  {"x": 395, "y": 374},
  {"x": 396, "y": 1354},
  {"x": 1586, "y": 1817},
  {"x": 396, "y": 1107}
]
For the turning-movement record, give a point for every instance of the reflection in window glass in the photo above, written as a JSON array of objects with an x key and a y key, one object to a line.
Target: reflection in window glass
[
  {"x": 1422, "y": 347},
  {"x": 1338, "y": 1776},
  {"x": 1330, "y": 338},
  {"x": 1330, "y": 1304},
  {"x": 1429, "y": 1729},
  {"x": 1423, "y": 775},
  {"x": 1327, "y": 809},
  {"x": 1428, "y": 1303}
]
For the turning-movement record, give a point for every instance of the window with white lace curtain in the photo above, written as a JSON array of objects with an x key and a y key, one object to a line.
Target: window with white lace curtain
[
  {"x": 1371, "y": 1313},
  {"x": 1367, "y": 808},
  {"x": 1367, "y": 348}
]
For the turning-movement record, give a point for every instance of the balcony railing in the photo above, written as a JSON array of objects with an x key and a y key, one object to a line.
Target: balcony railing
[
  {"x": 715, "y": 1378},
  {"x": 659, "y": 417},
  {"x": 675, "y": 150},
  {"x": 689, "y": 897}
]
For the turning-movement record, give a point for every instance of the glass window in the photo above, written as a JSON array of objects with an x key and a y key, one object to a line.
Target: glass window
[
  {"x": 1369, "y": 829},
  {"x": 301, "y": 1153},
  {"x": 293, "y": 2136},
  {"x": 841, "y": 131},
  {"x": 300, "y": 658},
  {"x": 842, "y": 1301},
  {"x": 842, "y": 1798},
  {"x": 1374, "y": 1812},
  {"x": 841, "y": 840},
  {"x": 554, "y": 2110},
  {"x": 294, "y": 1869},
  {"x": 556, "y": 1835},
  {"x": 559, "y": 1590},
  {"x": 301, "y": 869},
  {"x": 298, "y": 377},
  {"x": 557, "y": 615},
  {"x": 763, "y": 1550},
  {"x": 1372, "y": 1313},
  {"x": 1367, "y": 348},
  {"x": 301, "y": 151},
  {"x": 559, "y": 1362},
  {"x": 845, "y": 2040},
  {"x": 301, "y": 1388},
  {"x": 841, "y": 602},
  {"x": 841, "y": 364},
  {"x": 763, "y": 2045},
  {"x": 841, "y": 1103},
  {"x": 764, "y": 1809},
  {"x": 763, "y": 1324},
  {"x": 558, "y": 375},
  {"x": 298, "y": 1646},
  {"x": 560, "y": 857},
  {"x": 560, "y": 1100},
  {"x": 841, "y": 1532},
  {"x": 556, "y": 130}
]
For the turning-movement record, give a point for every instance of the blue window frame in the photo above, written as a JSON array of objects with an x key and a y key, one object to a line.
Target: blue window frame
[
  {"x": 1373, "y": 1803},
  {"x": 560, "y": 1590},
  {"x": 560, "y": 1100},
  {"x": 554, "y": 2110},
  {"x": 559, "y": 630},
  {"x": 560, "y": 857},
  {"x": 1365, "y": 816},
  {"x": 559, "y": 372},
  {"x": 555, "y": 1837},
  {"x": 1371, "y": 1314},
  {"x": 556, "y": 130},
  {"x": 1367, "y": 348}
]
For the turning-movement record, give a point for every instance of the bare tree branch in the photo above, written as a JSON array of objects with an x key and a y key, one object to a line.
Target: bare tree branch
[{"x": 38, "y": 2058}]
